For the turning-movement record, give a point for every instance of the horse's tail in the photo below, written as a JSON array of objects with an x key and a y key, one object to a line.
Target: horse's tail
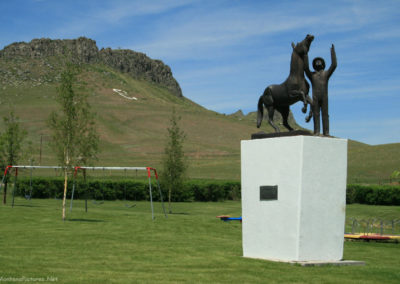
[{"x": 260, "y": 111}]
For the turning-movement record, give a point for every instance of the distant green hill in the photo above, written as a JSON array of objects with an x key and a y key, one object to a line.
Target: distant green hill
[
  {"x": 372, "y": 164},
  {"x": 133, "y": 132}
]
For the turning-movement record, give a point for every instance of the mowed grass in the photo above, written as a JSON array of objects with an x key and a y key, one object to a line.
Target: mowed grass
[{"x": 116, "y": 244}]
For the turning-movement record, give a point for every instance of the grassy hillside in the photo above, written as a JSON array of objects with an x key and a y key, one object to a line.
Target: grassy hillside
[
  {"x": 133, "y": 132},
  {"x": 372, "y": 164}
]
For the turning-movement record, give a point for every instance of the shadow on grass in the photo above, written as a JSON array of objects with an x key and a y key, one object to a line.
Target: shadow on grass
[
  {"x": 86, "y": 220},
  {"x": 26, "y": 205},
  {"x": 129, "y": 205}
]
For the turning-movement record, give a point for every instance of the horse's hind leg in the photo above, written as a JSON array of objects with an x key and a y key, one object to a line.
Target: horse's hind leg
[
  {"x": 285, "y": 115},
  {"x": 302, "y": 96},
  {"x": 271, "y": 111},
  {"x": 310, "y": 114}
]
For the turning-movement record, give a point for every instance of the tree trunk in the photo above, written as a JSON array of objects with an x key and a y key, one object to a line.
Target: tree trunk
[
  {"x": 65, "y": 192},
  {"x": 5, "y": 191},
  {"x": 169, "y": 201}
]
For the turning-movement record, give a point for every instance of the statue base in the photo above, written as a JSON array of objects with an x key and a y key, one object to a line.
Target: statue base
[
  {"x": 262, "y": 134},
  {"x": 294, "y": 198}
]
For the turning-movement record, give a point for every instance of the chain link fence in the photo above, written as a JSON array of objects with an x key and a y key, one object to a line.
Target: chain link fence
[{"x": 371, "y": 226}]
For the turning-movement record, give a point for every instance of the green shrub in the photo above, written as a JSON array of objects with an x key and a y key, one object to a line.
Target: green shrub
[
  {"x": 129, "y": 189},
  {"x": 373, "y": 194},
  {"x": 193, "y": 190},
  {"x": 213, "y": 190}
]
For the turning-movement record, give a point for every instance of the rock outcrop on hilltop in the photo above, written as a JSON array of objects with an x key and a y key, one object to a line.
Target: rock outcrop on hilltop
[
  {"x": 84, "y": 50},
  {"x": 252, "y": 116}
]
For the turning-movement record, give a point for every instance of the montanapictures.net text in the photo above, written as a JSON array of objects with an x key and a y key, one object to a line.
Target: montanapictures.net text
[{"x": 28, "y": 279}]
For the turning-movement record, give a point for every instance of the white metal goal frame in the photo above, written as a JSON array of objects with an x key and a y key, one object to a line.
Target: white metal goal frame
[{"x": 77, "y": 168}]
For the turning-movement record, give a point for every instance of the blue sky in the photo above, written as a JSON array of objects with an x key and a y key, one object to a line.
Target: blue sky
[{"x": 224, "y": 53}]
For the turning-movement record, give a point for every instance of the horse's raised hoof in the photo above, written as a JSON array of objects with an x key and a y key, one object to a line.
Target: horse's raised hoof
[
  {"x": 308, "y": 118},
  {"x": 304, "y": 109}
]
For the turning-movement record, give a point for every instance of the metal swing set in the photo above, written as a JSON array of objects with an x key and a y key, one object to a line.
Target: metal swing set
[{"x": 74, "y": 186}]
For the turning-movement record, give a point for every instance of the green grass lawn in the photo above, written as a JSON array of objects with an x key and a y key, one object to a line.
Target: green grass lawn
[{"x": 116, "y": 244}]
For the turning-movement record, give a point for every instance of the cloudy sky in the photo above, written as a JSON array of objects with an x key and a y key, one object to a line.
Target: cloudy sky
[{"x": 225, "y": 52}]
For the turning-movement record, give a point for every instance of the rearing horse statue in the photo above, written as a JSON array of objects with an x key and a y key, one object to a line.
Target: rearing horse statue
[{"x": 294, "y": 89}]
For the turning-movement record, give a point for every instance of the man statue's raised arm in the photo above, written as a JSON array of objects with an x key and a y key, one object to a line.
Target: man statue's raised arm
[{"x": 334, "y": 62}]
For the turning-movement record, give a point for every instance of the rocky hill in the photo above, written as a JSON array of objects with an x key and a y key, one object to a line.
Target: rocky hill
[
  {"x": 49, "y": 54},
  {"x": 252, "y": 116}
]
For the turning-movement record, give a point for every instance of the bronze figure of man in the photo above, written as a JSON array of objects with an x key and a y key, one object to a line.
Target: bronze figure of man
[{"x": 319, "y": 80}]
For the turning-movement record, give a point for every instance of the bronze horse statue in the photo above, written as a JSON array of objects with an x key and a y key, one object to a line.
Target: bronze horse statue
[{"x": 294, "y": 89}]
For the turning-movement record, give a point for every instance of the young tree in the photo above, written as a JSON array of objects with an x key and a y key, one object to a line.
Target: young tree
[
  {"x": 74, "y": 136},
  {"x": 11, "y": 142},
  {"x": 395, "y": 175},
  {"x": 174, "y": 162}
]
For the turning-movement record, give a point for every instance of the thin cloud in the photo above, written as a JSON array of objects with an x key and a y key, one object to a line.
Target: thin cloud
[
  {"x": 363, "y": 92},
  {"x": 227, "y": 27},
  {"x": 385, "y": 130},
  {"x": 126, "y": 9},
  {"x": 114, "y": 13}
]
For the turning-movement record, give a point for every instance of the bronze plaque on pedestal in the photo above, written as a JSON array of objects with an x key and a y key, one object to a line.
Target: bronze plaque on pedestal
[{"x": 268, "y": 192}]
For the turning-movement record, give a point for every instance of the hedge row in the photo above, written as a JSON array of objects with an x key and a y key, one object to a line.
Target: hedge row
[
  {"x": 373, "y": 194},
  {"x": 192, "y": 191},
  {"x": 128, "y": 189}
]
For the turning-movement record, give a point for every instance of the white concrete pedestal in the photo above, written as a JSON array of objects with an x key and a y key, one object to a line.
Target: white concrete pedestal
[{"x": 305, "y": 222}]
